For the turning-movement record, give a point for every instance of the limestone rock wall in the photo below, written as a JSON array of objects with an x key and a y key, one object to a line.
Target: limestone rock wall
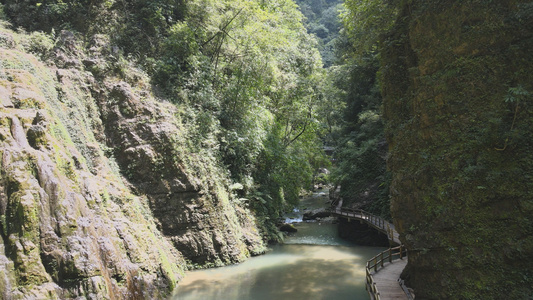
[
  {"x": 458, "y": 88},
  {"x": 100, "y": 197}
]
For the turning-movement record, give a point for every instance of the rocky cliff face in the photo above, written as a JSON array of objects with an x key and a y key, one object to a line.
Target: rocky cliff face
[
  {"x": 458, "y": 101},
  {"x": 100, "y": 195}
]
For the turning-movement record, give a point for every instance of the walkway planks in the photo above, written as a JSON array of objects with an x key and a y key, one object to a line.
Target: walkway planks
[{"x": 386, "y": 280}]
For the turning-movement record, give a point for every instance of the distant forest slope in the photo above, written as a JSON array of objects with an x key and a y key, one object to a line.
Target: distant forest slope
[{"x": 322, "y": 20}]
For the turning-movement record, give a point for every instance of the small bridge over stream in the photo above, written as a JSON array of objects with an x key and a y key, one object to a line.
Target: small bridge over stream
[{"x": 383, "y": 270}]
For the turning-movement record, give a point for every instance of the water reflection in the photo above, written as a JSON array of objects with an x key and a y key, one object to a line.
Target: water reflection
[
  {"x": 314, "y": 233},
  {"x": 314, "y": 264},
  {"x": 288, "y": 272}
]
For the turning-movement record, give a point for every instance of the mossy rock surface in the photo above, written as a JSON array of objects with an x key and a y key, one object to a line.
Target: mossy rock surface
[
  {"x": 100, "y": 195},
  {"x": 458, "y": 91}
]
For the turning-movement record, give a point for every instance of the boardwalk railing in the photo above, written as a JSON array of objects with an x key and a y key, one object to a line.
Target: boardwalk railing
[
  {"x": 377, "y": 262},
  {"x": 378, "y": 223},
  {"x": 406, "y": 290}
]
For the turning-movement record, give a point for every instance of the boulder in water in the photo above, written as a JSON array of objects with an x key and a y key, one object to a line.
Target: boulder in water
[
  {"x": 288, "y": 228},
  {"x": 316, "y": 213}
]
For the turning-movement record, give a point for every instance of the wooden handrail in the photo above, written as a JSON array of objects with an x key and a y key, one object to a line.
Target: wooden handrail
[
  {"x": 405, "y": 290},
  {"x": 377, "y": 262},
  {"x": 371, "y": 219},
  {"x": 389, "y": 255}
]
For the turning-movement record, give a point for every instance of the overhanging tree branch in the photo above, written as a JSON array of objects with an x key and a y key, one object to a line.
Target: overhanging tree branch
[{"x": 223, "y": 29}]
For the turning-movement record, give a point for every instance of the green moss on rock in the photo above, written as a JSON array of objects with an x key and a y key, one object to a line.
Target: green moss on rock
[
  {"x": 458, "y": 103},
  {"x": 73, "y": 225}
]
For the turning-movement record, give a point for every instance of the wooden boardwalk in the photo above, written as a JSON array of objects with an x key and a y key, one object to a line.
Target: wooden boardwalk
[
  {"x": 382, "y": 271},
  {"x": 386, "y": 280},
  {"x": 377, "y": 222}
]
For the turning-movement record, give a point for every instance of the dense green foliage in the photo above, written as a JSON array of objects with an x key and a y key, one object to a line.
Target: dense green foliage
[
  {"x": 254, "y": 78},
  {"x": 367, "y": 20},
  {"x": 245, "y": 75},
  {"x": 361, "y": 147},
  {"x": 322, "y": 20},
  {"x": 352, "y": 106},
  {"x": 352, "y": 112}
]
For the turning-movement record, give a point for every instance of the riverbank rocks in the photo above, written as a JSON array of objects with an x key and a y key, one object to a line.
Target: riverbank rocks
[{"x": 192, "y": 209}]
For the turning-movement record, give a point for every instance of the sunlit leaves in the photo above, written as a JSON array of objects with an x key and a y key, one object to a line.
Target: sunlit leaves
[
  {"x": 366, "y": 20},
  {"x": 247, "y": 76},
  {"x": 514, "y": 94}
]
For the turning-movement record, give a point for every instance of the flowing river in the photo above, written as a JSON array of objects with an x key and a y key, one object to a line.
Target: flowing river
[{"x": 313, "y": 263}]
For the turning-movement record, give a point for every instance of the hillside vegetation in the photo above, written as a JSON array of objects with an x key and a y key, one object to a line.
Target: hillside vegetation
[{"x": 143, "y": 138}]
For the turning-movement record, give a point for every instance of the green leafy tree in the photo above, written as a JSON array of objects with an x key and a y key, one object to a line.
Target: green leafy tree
[
  {"x": 253, "y": 68},
  {"x": 245, "y": 75},
  {"x": 322, "y": 20},
  {"x": 361, "y": 148},
  {"x": 367, "y": 20}
]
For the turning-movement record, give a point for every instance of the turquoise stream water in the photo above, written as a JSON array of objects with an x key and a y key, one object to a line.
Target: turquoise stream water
[{"x": 313, "y": 264}]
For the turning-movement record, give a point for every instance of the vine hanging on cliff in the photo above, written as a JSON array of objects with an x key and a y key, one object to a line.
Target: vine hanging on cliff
[{"x": 514, "y": 95}]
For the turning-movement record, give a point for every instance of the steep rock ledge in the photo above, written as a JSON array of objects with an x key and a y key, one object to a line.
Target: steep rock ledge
[
  {"x": 457, "y": 86},
  {"x": 71, "y": 224},
  {"x": 193, "y": 209}
]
